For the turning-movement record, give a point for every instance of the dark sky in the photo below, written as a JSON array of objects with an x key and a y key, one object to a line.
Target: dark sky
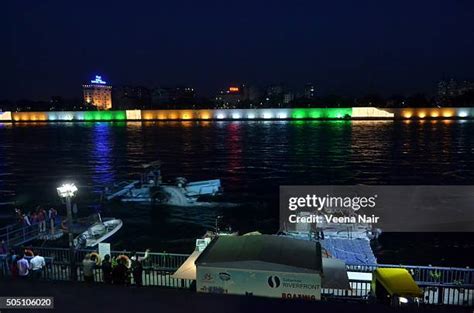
[{"x": 346, "y": 47}]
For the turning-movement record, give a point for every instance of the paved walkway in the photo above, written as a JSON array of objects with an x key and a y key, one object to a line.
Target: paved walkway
[{"x": 79, "y": 297}]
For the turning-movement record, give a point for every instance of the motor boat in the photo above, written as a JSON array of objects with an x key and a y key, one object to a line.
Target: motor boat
[
  {"x": 220, "y": 229},
  {"x": 98, "y": 232},
  {"x": 151, "y": 189}
]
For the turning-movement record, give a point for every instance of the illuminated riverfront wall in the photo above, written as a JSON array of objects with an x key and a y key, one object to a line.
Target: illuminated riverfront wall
[
  {"x": 247, "y": 114},
  {"x": 244, "y": 114},
  {"x": 371, "y": 112},
  {"x": 432, "y": 113},
  {"x": 5, "y": 116},
  {"x": 69, "y": 116}
]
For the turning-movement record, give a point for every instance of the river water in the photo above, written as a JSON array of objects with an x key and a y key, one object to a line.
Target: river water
[{"x": 252, "y": 158}]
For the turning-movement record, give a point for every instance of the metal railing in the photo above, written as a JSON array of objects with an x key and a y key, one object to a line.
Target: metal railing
[
  {"x": 14, "y": 235},
  {"x": 157, "y": 268},
  {"x": 427, "y": 274},
  {"x": 441, "y": 285},
  {"x": 19, "y": 234}
]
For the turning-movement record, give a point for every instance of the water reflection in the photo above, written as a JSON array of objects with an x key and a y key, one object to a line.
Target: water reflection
[
  {"x": 101, "y": 155},
  {"x": 251, "y": 157}
]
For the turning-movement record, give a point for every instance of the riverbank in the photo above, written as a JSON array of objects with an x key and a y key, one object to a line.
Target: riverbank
[{"x": 356, "y": 113}]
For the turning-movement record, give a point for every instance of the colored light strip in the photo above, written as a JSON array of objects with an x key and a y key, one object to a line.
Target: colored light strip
[{"x": 245, "y": 114}]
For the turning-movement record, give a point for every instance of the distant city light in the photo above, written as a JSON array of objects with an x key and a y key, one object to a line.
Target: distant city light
[
  {"x": 267, "y": 115},
  {"x": 98, "y": 80},
  {"x": 251, "y": 116},
  {"x": 220, "y": 116},
  {"x": 463, "y": 114},
  {"x": 236, "y": 116},
  {"x": 282, "y": 115},
  {"x": 234, "y": 89}
]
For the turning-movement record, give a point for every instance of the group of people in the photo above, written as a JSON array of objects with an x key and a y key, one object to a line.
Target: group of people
[
  {"x": 26, "y": 264},
  {"x": 37, "y": 217},
  {"x": 118, "y": 270}
]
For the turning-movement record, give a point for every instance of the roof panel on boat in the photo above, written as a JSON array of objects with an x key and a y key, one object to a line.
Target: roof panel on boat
[{"x": 263, "y": 252}]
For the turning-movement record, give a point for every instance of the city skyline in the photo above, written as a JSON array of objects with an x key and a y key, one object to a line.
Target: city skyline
[{"x": 347, "y": 48}]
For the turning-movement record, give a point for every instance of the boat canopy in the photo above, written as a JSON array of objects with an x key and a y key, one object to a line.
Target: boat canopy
[
  {"x": 264, "y": 252},
  {"x": 397, "y": 281},
  {"x": 335, "y": 273},
  {"x": 187, "y": 270}
]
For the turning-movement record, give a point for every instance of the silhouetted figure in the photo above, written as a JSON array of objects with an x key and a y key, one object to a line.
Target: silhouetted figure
[
  {"x": 107, "y": 269},
  {"x": 137, "y": 267},
  {"x": 88, "y": 267},
  {"x": 120, "y": 273}
]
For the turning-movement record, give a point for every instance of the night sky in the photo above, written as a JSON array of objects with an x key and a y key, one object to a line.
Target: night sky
[{"x": 345, "y": 47}]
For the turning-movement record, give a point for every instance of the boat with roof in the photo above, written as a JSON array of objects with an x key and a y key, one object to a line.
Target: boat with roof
[{"x": 150, "y": 188}]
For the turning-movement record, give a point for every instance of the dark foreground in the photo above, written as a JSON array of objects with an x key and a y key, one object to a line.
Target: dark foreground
[{"x": 74, "y": 297}]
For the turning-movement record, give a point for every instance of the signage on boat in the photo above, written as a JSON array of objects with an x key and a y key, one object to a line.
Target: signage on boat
[{"x": 286, "y": 285}]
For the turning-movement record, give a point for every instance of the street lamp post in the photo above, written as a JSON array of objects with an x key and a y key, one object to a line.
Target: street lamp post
[{"x": 66, "y": 192}]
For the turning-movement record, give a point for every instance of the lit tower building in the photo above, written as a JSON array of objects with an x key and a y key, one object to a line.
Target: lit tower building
[{"x": 98, "y": 94}]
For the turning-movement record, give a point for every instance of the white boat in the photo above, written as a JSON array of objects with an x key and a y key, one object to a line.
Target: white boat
[
  {"x": 220, "y": 229},
  {"x": 97, "y": 233},
  {"x": 151, "y": 189}
]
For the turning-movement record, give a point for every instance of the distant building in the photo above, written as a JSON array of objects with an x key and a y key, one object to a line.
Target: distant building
[
  {"x": 275, "y": 91},
  {"x": 238, "y": 96},
  {"x": 131, "y": 97},
  {"x": 56, "y": 103},
  {"x": 181, "y": 94},
  {"x": 252, "y": 94},
  {"x": 98, "y": 94},
  {"x": 160, "y": 96},
  {"x": 173, "y": 97},
  {"x": 453, "y": 88},
  {"x": 230, "y": 98},
  {"x": 288, "y": 97},
  {"x": 274, "y": 96}
]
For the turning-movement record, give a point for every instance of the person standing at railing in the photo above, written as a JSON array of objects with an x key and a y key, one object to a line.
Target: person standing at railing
[
  {"x": 106, "y": 267},
  {"x": 33, "y": 218},
  {"x": 19, "y": 215},
  {"x": 42, "y": 220},
  {"x": 23, "y": 267},
  {"x": 11, "y": 263},
  {"x": 52, "y": 214},
  {"x": 120, "y": 273},
  {"x": 37, "y": 264},
  {"x": 88, "y": 266},
  {"x": 26, "y": 220},
  {"x": 137, "y": 267},
  {"x": 3, "y": 247}
]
